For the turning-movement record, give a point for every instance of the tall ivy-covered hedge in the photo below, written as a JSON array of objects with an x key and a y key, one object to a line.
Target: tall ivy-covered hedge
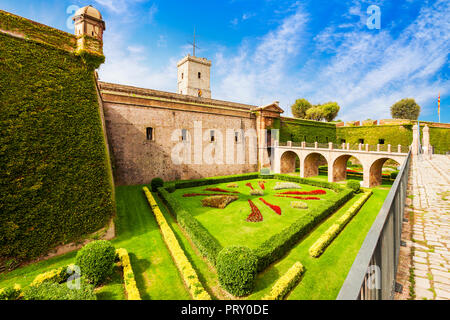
[
  {"x": 440, "y": 139},
  {"x": 55, "y": 179},
  {"x": 298, "y": 130},
  {"x": 392, "y": 134}
]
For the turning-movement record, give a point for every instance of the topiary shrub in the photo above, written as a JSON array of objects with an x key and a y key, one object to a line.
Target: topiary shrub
[
  {"x": 354, "y": 185},
  {"x": 157, "y": 183},
  {"x": 96, "y": 261},
  {"x": 56, "y": 291},
  {"x": 394, "y": 175},
  {"x": 218, "y": 201},
  {"x": 236, "y": 268}
]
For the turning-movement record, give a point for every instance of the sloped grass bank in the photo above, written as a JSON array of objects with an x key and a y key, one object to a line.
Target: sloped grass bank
[{"x": 157, "y": 277}]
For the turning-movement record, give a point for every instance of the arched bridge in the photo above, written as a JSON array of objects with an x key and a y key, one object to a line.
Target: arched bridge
[{"x": 372, "y": 159}]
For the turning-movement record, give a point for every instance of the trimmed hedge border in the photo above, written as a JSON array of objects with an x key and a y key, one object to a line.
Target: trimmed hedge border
[
  {"x": 326, "y": 238},
  {"x": 128, "y": 275},
  {"x": 270, "y": 250},
  {"x": 286, "y": 282},
  {"x": 181, "y": 261}
]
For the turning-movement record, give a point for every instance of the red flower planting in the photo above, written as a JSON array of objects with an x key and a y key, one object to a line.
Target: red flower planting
[
  {"x": 299, "y": 198},
  {"x": 220, "y": 190},
  {"x": 202, "y": 194},
  {"x": 256, "y": 215},
  {"x": 313, "y": 192},
  {"x": 271, "y": 206},
  {"x": 261, "y": 185},
  {"x": 250, "y": 186}
]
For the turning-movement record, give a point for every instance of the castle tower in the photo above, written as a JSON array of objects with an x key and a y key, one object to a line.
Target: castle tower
[
  {"x": 89, "y": 22},
  {"x": 194, "y": 76}
]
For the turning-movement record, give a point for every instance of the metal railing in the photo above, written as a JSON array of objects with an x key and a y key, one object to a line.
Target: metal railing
[{"x": 372, "y": 275}]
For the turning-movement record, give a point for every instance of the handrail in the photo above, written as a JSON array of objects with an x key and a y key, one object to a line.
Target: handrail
[{"x": 380, "y": 248}]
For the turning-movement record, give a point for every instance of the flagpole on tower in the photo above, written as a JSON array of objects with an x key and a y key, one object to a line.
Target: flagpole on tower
[{"x": 439, "y": 107}]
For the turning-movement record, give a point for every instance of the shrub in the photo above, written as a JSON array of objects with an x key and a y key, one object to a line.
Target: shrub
[
  {"x": 286, "y": 282},
  {"x": 326, "y": 238},
  {"x": 354, "y": 185},
  {"x": 181, "y": 261},
  {"x": 286, "y": 185},
  {"x": 299, "y": 205},
  {"x": 218, "y": 201},
  {"x": 394, "y": 175},
  {"x": 128, "y": 275},
  {"x": 56, "y": 275},
  {"x": 237, "y": 269},
  {"x": 256, "y": 192},
  {"x": 10, "y": 293},
  {"x": 96, "y": 261},
  {"x": 279, "y": 244},
  {"x": 56, "y": 291},
  {"x": 157, "y": 183}
]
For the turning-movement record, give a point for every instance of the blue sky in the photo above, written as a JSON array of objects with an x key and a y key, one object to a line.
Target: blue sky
[{"x": 268, "y": 50}]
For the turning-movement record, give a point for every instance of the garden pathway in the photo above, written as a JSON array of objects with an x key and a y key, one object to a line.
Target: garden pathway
[{"x": 427, "y": 255}]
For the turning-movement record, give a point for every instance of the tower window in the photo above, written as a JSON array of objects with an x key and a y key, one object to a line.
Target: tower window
[
  {"x": 236, "y": 137},
  {"x": 182, "y": 76},
  {"x": 150, "y": 134},
  {"x": 199, "y": 75},
  {"x": 212, "y": 134}
]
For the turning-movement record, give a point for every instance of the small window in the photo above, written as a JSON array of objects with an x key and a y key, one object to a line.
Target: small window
[
  {"x": 212, "y": 134},
  {"x": 361, "y": 141},
  {"x": 183, "y": 135},
  {"x": 150, "y": 134},
  {"x": 380, "y": 141},
  {"x": 199, "y": 75},
  {"x": 236, "y": 137},
  {"x": 182, "y": 76}
]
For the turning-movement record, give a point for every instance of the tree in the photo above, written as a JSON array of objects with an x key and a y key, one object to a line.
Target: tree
[
  {"x": 300, "y": 107},
  {"x": 405, "y": 109},
  {"x": 330, "y": 111},
  {"x": 315, "y": 113}
]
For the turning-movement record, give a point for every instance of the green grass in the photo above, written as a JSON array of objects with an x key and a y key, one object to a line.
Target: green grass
[
  {"x": 158, "y": 278},
  {"x": 325, "y": 275},
  {"x": 137, "y": 231},
  {"x": 229, "y": 225}
]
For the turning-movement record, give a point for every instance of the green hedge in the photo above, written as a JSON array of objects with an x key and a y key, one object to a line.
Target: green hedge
[
  {"x": 208, "y": 246},
  {"x": 279, "y": 244},
  {"x": 272, "y": 249},
  {"x": 236, "y": 269},
  {"x": 331, "y": 233},
  {"x": 440, "y": 139},
  {"x": 55, "y": 179},
  {"x": 297, "y": 129},
  {"x": 392, "y": 134}
]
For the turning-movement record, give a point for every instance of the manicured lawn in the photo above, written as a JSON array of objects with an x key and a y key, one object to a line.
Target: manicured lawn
[
  {"x": 137, "y": 231},
  {"x": 229, "y": 225},
  {"x": 158, "y": 278},
  {"x": 325, "y": 275}
]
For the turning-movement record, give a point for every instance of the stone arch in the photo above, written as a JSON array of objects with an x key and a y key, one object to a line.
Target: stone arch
[
  {"x": 339, "y": 167},
  {"x": 376, "y": 169},
  {"x": 288, "y": 162},
  {"x": 311, "y": 164}
]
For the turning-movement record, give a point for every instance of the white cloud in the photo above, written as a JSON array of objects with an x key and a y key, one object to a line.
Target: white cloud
[{"x": 367, "y": 72}]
